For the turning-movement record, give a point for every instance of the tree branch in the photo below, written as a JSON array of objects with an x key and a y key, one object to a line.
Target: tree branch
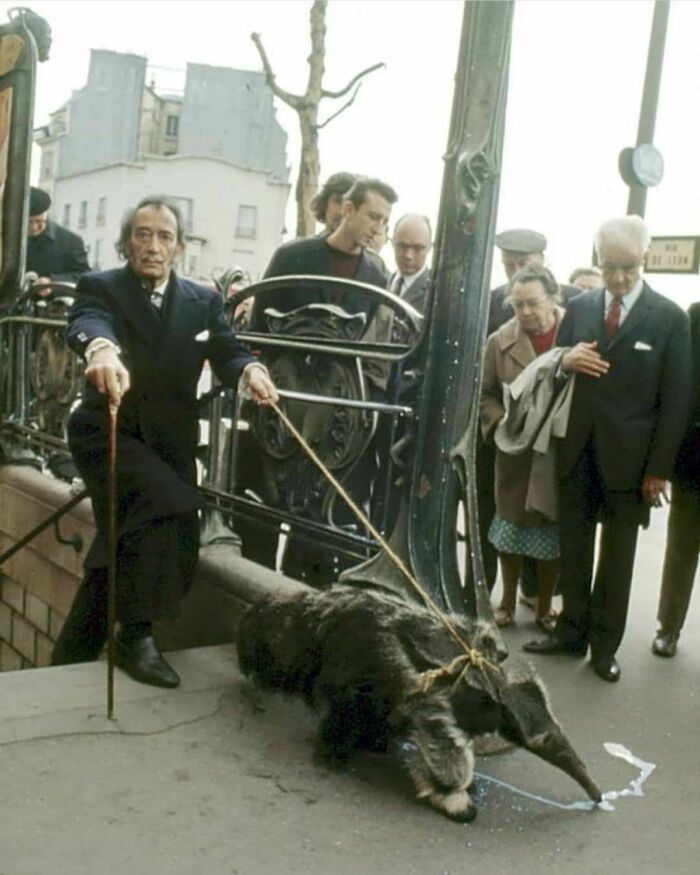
[
  {"x": 342, "y": 109},
  {"x": 290, "y": 99},
  {"x": 317, "y": 58},
  {"x": 344, "y": 91}
]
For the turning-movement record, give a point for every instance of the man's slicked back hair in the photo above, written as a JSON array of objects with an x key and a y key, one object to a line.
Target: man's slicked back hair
[{"x": 158, "y": 202}]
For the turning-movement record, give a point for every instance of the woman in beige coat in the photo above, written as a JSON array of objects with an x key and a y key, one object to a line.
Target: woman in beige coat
[{"x": 516, "y": 532}]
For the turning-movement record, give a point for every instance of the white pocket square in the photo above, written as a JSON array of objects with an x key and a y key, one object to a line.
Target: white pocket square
[
  {"x": 203, "y": 335},
  {"x": 643, "y": 346}
]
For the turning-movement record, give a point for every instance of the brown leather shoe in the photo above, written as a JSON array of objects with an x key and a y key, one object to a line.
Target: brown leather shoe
[{"x": 665, "y": 644}]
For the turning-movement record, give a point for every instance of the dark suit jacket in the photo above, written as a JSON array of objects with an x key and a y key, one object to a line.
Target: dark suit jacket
[
  {"x": 418, "y": 291},
  {"x": 687, "y": 472},
  {"x": 57, "y": 253},
  {"x": 501, "y": 312},
  {"x": 158, "y": 417},
  {"x": 636, "y": 413},
  {"x": 311, "y": 256}
]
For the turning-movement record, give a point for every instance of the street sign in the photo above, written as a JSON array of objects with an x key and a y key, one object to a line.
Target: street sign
[{"x": 673, "y": 255}]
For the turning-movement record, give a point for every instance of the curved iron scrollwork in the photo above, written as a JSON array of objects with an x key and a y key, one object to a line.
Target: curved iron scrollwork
[
  {"x": 472, "y": 170},
  {"x": 339, "y": 435},
  {"x": 55, "y": 373}
]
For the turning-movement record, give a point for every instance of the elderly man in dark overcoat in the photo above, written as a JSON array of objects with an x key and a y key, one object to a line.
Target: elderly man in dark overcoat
[
  {"x": 630, "y": 351},
  {"x": 145, "y": 333}
]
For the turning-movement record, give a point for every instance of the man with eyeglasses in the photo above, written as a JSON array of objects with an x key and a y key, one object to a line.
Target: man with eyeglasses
[
  {"x": 629, "y": 349},
  {"x": 412, "y": 242}
]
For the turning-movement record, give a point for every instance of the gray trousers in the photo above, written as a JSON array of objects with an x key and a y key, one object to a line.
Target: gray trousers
[{"x": 681, "y": 559}]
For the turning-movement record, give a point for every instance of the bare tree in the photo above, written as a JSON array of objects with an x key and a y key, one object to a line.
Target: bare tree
[{"x": 307, "y": 108}]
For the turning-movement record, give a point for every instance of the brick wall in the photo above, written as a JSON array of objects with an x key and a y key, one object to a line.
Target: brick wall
[{"x": 37, "y": 584}]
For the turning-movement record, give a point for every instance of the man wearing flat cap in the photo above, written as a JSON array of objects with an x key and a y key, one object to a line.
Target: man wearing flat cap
[
  {"x": 53, "y": 252},
  {"x": 520, "y": 248}
]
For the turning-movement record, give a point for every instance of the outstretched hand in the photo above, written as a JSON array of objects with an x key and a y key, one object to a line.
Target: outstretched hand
[
  {"x": 108, "y": 375},
  {"x": 584, "y": 358},
  {"x": 262, "y": 389}
]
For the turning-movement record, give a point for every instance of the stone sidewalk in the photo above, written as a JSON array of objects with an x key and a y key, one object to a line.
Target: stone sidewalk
[{"x": 218, "y": 778}]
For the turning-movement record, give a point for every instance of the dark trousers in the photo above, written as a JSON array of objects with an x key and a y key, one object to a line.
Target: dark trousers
[
  {"x": 85, "y": 629},
  {"x": 154, "y": 567},
  {"x": 681, "y": 558},
  {"x": 598, "y": 615},
  {"x": 486, "y": 506}
]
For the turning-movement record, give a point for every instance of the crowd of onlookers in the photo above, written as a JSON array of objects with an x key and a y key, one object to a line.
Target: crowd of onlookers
[
  {"x": 589, "y": 408},
  {"x": 586, "y": 414}
]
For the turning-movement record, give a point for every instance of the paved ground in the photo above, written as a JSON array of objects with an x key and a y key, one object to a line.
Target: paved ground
[{"x": 217, "y": 778}]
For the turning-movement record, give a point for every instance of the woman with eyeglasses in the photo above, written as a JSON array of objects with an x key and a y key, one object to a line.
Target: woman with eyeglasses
[{"x": 516, "y": 532}]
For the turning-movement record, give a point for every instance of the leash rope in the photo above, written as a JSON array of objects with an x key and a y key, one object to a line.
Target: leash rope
[{"x": 426, "y": 679}]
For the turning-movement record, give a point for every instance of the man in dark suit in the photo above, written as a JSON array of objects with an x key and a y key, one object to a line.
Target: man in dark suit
[
  {"x": 53, "y": 252},
  {"x": 683, "y": 533},
  {"x": 630, "y": 351},
  {"x": 412, "y": 242},
  {"x": 145, "y": 334}
]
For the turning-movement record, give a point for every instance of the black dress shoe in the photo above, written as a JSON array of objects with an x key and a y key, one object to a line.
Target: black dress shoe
[
  {"x": 607, "y": 668},
  {"x": 665, "y": 644},
  {"x": 554, "y": 644},
  {"x": 141, "y": 660}
]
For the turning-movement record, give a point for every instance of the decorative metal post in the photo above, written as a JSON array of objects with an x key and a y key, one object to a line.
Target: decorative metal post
[{"x": 450, "y": 357}]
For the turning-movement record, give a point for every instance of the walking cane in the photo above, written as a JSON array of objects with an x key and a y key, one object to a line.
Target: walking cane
[{"x": 111, "y": 553}]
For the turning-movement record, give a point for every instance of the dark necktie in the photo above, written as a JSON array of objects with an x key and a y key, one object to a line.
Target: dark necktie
[
  {"x": 612, "y": 320},
  {"x": 398, "y": 288},
  {"x": 155, "y": 298}
]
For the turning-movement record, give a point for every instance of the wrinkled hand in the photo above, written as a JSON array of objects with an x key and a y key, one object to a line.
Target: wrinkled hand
[
  {"x": 585, "y": 359},
  {"x": 262, "y": 389},
  {"x": 108, "y": 375},
  {"x": 653, "y": 490}
]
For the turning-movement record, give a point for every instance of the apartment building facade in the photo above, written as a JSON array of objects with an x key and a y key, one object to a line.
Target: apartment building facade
[{"x": 217, "y": 149}]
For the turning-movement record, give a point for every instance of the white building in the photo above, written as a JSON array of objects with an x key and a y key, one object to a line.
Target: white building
[
  {"x": 233, "y": 216},
  {"x": 217, "y": 149}
]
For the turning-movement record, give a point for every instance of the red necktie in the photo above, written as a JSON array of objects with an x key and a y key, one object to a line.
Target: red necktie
[{"x": 612, "y": 320}]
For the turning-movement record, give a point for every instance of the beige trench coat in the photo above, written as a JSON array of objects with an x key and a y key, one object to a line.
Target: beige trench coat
[{"x": 508, "y": 353}]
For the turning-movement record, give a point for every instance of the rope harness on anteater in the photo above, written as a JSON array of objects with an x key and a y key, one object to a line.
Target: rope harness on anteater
[{"x": 470, "y": 658}]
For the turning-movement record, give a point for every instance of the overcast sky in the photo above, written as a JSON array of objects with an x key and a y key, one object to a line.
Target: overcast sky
[{"x": 576, "y": 79}]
